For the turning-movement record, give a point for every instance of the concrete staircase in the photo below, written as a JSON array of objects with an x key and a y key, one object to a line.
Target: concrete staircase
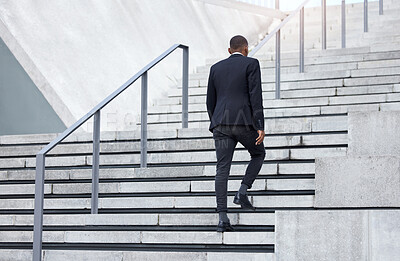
[
  {"x": 168, "y": 207},
  {"x": 382, "y": 26},
  {"x": 167, "y": 211}
]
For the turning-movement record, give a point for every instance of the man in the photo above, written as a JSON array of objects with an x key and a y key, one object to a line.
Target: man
[{"x": 234, "y": 105}]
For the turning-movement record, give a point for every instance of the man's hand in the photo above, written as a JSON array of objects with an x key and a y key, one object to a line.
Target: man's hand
[{"x": 261, "y": 135}]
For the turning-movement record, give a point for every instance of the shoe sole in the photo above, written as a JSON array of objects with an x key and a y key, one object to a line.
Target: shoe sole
[
  {"x": 224, "y": 230},
  {"x": 221, "y": 230}
]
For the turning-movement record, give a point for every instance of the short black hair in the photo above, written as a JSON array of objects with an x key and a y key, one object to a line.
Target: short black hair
[{"x": 238, "y": 42}]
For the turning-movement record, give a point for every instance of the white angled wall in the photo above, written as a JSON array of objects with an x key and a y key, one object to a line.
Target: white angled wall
[
  {"x": 78, "y": 52},
  {"x": 265, "y": 3}
]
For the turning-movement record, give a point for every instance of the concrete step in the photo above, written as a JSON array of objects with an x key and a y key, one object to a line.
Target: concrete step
[
  {"x": 288, "y": 54},
  {"x": 324, "y": 110},
  {"x": 375, "y": 72},
  {"x": 128, "y": 255},
  {"x": 394, "y": 106},
  {"x": 312, "y": 33},
  {"x": 395, "y": 79},
  {"x": 384, "y": 63},
  {"x": 200, "y": 97},
  {"x": 352, "y": 93},
  {"x": 284, "y": 70},
  {"x": 163, "y": 172},
  {"x": 341, "y": 91},
  {"x": 315, "y": 57},
  {"x": 268, "y": 68},
  {"x": 152, "y": 187},
  {"x": 143, "y": 237},
  {"x": 355, "y": 10},
  {"x": 354, "y": 21},
  {"x": 200, "y": 157},
  {"x": 333, "y": 42},
  {"x": 293, "y": 125},
  {"x": 270, "y": 201},
  {"x": 354, "y": 24},
  {"x": 158, "y": 219},
  {"x": 353, "y": 40},
  {"x": 280, "y": 125},
  {"x": 355, "y": 37},
  {"x": 267, "y": 78},
  {"x": 183, "y": 157},
  {"x": 325, "y": 79},
  {"x": 171, "y": 113},
  {"x": 86, "y": 137},
  {"x": 391, "y": 71},
  {"x": 203, "y": 143}
]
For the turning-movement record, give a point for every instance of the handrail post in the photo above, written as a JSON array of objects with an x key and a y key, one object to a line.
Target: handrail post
[
  {"x": 96, "y": 163},
  {"x": 301, "y": 69},
  {"x": 380, "y": 7},
  {"x": 185, "y": 88},
  {"x": 343, "y": 24},
  {"x": 143, "y": 125},
  {"x": 278, "y": 65},
  {"x": 365, "y": 16},
  {"x": 41, "y": 156},
  {"x": 38, "y": 211},
  {"x": 277, "y": 60},
  {"x": 323, "y": 40}
]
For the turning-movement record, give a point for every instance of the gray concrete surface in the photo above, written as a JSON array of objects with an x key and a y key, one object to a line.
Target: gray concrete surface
[
  {"x": 158, "y": 187},
  {"x": 357, "y": 182},
  {"x": 374, "y": 133},
  {"x": 162, "y": 219},
  {"x": 50, "y": 255},
  {"x": 160, "y": 202},
  {"x": 326, "y": 235}
]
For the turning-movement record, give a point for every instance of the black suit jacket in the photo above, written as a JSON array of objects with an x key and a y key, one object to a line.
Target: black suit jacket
[{"x": 234, "y": 94}]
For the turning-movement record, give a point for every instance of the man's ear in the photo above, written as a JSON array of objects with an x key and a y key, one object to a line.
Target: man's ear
[
  {"x": 246, "y": 49},
  {"x": 229, "y": 50}
]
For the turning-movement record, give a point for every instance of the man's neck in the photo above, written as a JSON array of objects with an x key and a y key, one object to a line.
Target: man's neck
[{"x": 237, "y": 53}]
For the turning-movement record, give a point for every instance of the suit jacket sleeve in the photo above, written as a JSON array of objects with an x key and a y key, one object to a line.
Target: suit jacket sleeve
[
  {"x": 255, "y": 93},
  {"x": 211, "y": 95}
]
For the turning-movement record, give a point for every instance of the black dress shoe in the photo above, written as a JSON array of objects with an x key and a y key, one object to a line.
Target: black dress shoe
[
  {"x": 224, "y": 226},
  {"x": 243, "y": 200}
]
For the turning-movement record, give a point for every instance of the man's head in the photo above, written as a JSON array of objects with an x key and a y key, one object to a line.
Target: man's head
[{"x": 239, "y": 44}]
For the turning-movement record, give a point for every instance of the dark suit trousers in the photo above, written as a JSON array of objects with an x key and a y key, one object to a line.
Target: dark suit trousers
[{"x": 226, "y": 138}]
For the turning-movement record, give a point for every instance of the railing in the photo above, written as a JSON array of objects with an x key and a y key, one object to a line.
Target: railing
[
  {"x": 300, "y": 9},
  {"x": 40, "y": 157}
]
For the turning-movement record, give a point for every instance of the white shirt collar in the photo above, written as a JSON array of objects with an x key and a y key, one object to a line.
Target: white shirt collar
[{"x": 237, "y": 53}]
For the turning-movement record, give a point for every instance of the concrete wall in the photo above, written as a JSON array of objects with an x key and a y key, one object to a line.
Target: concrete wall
[
  {"x": 370, "y": 174},
  {"x": 337, "y": 235},
  {"x": 368, "y": 177},
  {"x": 77, "y": 52},
  {"x": 357, "y": 181},
  {"x": 374, "y": 133},
  {"x": 23, "y": 109}
]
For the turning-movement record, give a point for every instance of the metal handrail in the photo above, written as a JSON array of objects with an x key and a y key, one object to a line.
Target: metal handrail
[
  {"x": 277, "y": 29},
  {"x": 40, "y": 157},
  {"x": 276, "y": 32},
  {"x": 300, "y": 9}
]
